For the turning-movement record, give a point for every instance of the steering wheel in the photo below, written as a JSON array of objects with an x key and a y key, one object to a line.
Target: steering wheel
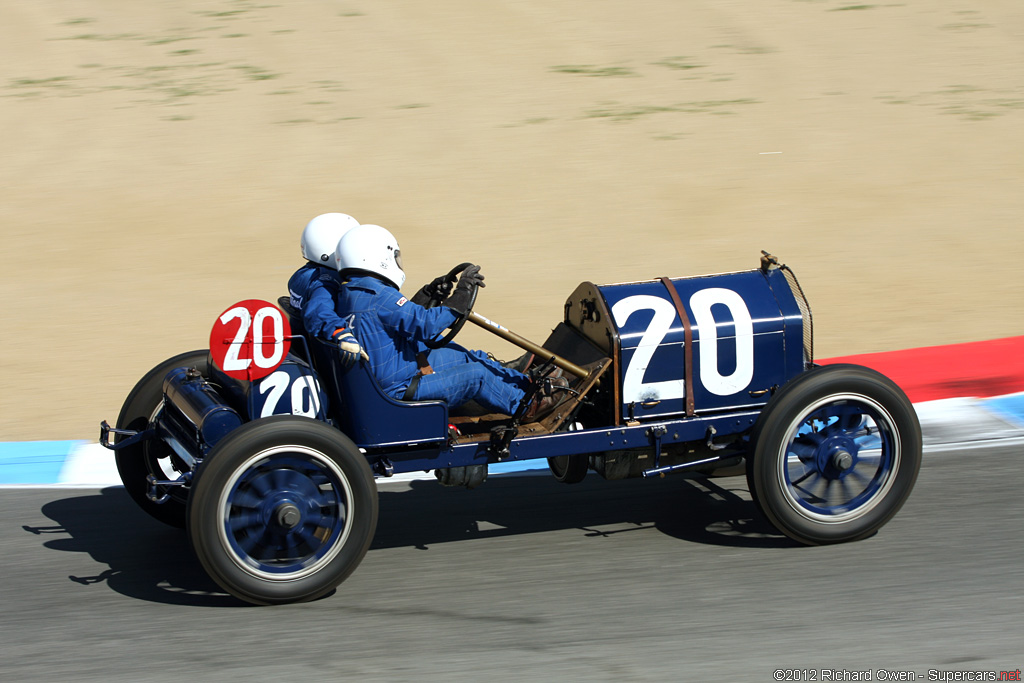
[{"x": 453, "y": 329}]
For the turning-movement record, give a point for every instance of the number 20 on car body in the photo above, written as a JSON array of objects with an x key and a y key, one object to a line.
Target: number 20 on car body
[{"x": 739, "y": 338}]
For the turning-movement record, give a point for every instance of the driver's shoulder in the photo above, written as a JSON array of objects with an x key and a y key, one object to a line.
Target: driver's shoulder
[
  {"x": 374, "y": 294},
  {"x": 302, "y": 276},
  {"x": 363, "y": 283},
  {"x": 394, "y": 301}
]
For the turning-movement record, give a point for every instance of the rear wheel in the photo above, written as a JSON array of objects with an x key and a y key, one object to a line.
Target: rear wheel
[
  {"x": 283, "y": 510},
  {"x": 153, "y": 456},
  {"x": 835, "y": 455}
]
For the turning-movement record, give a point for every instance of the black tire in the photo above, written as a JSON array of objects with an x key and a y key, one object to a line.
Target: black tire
[
  {"x": 282, "y": 510},
  {"x": 155, "y": 457},
  {"x": 835, "y": 455},
  {"x": 569, "y": 469}
]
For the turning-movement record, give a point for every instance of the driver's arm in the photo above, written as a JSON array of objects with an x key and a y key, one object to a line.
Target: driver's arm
[
  {"x": 412, "y": 321},
  {"x": 318, "y": 313}
]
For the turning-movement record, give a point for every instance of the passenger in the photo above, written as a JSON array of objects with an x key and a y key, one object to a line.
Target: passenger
[
  {"x": 393, "y": 330},
  {"x": 313, "y": 288}
]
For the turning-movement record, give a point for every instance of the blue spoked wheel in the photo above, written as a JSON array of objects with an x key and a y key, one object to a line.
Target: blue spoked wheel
[
  {"x": 834, "y": 454},
  {"x": 282, "y": 510}
]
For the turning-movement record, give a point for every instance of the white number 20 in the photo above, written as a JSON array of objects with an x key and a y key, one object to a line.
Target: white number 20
[
  {"x": 634, "y": 389},
  {"x": 305, "y": 394},
  {"x": 252, "y": 329}
]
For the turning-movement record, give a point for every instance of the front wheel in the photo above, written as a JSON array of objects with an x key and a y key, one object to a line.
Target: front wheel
[
  {"x": 283, "y": 510},
  {"x": 835, "y": 455}
]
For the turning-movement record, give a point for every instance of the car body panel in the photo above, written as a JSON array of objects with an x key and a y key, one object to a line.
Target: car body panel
[{"x": 747, "y": 332}]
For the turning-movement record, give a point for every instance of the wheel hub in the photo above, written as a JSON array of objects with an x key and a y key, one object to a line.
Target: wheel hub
[
  {"x": 287, "y": 516},
  {"x": 842, "y": 461},
  {"x": 837, "y": 456}
]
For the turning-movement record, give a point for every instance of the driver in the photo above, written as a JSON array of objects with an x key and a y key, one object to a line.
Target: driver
[
  {"x": 393, "y": 330},
  {"x": 313, "y": 287}
]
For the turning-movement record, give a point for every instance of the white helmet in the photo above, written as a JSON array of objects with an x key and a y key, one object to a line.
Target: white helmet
[
  {"x": 320, "y": 238},
  {"x": 373, "y": 249}
]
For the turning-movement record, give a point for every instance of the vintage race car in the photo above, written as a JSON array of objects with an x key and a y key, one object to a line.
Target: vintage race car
[{"x": 266, "y": 448}]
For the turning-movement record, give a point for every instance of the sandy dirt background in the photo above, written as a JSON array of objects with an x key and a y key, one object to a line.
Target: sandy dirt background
[{"x": 160, "y": 159}]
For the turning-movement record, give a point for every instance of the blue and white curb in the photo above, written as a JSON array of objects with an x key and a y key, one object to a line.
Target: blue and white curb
[
  {"x": 62, "y": 464},
  {"x": 1009, "y": 407},
  {"x": 955, "y": 423},
  {"x": 947, "y": 424}
]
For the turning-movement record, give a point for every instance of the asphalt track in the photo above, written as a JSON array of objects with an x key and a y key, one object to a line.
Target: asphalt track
[{"x": 528, "y": 579}]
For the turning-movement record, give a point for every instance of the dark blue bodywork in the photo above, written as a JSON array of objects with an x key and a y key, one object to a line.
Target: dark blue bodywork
[
  {"x": 749, "y": 333},
  {"x": 747, "y": 338}
]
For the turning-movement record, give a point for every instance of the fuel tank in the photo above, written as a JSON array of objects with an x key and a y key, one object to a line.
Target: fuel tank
[{"x": 195, "y": 416}]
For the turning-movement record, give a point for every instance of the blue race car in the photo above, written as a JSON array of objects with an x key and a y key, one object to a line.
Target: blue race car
[{"x": 267, "y": 451}]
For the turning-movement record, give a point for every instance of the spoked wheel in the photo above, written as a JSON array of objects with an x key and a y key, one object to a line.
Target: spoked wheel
[
  {"x": 154, "y": 457},
  {"x": 835, "y": 455},
  {"x": 283, "y": 510}
]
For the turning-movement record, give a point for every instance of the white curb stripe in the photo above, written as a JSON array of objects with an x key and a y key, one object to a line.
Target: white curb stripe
[
  {"x": 89, "y": 465},
  {"x": 963, "y": 420}
]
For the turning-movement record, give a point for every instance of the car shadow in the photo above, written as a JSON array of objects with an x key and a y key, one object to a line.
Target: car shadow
[
  {"x": 150, "y": 561},
  {"x": 697, "y": 509},
  {"x": 145, "y": 559}
]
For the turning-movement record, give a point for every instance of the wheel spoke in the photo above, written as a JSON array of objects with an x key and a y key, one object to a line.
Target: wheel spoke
[
  {"x": 845, "y": 491},
  {"x": 260, "y": 484},
  {"x": 854, "y": 474},
  {"x": 828, "y": 494},
  {"x": 252, "y": 543},
  {"x": 307, "y": 535},
  {"x": 812, "y": 486},
  {"x": 245, "y": 498},
  {"x": 279, "y": 478},
  {"x": 871, "y": 462},
  {"x": 242, "y": 519},
  {"x": 807, "y": 473}
]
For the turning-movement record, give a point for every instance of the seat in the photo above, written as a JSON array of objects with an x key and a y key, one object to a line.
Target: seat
[
  {"x": 370, "y": 417},
  {"x": 360, "y": 407}
]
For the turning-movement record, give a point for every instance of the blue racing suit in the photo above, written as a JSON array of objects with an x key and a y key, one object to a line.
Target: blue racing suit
[
  {"x": 313, "y": 289},
  {"x": 392, "y": 329}
]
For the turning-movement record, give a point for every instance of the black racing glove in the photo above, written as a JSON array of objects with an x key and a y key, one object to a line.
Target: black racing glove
[
  {"x": 436, "y": 291},
  {"x": 468, "y": 282}
]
